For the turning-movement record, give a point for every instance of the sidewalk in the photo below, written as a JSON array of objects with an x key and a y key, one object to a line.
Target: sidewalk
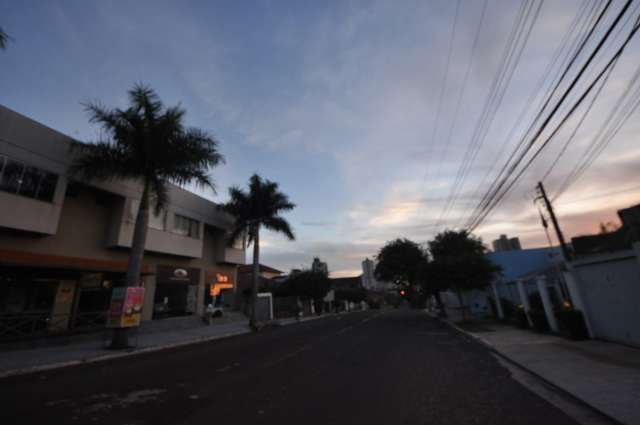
[
  {"x": 604, "y": 375},
  {"x": 20, "y": 358},
  {"x": 92, "y": 348}
]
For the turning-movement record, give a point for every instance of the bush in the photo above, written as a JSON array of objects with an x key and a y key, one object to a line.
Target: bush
[
  {"x": 537, "y": 315},
  {"x": 572, "y": 324},
  {"x": 508, "y": 308},
  {"x": 521, "y": 318},
  {"x": 539, "y": 319}
]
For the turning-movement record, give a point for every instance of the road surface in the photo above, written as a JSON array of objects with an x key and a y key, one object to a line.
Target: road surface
[{"x": 377, "y": 367}]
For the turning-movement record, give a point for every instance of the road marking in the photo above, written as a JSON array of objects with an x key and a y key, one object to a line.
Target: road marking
[{"x": 224, "y": 369}]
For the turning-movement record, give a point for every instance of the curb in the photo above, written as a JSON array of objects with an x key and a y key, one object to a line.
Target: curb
[
  {"x": 554, "y": 386},
  {"x": 135, "y": 352},
  {"x": 113, "y": 356}
]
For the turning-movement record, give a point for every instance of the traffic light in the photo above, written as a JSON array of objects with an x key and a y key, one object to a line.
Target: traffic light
[{"x": 403, "y": 292}]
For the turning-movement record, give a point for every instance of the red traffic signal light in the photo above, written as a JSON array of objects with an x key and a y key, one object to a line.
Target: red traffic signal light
[{"x": 403, "y": 292}]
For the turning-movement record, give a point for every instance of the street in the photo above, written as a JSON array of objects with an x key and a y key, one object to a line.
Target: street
[{"x": 375, "y": 367}]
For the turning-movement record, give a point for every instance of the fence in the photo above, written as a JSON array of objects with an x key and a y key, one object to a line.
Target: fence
[{"x": 29, "y": 325}]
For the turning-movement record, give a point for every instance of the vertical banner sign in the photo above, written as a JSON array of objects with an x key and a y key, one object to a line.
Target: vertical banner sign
[{"x": 125, "y": 310}]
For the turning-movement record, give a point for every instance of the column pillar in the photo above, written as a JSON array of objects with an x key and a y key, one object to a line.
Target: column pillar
[
  {"x": 496, "y": 297},
  {"x": 541, "y": 282},
  {"x": 524, "y": 300},
  {"x": 576, "y": 297}
]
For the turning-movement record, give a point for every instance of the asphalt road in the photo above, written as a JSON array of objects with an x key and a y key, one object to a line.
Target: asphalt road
[{"x": 395, "y": 367}]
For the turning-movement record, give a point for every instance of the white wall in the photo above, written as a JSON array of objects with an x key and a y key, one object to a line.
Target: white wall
[{"x": 610, "y": 288}]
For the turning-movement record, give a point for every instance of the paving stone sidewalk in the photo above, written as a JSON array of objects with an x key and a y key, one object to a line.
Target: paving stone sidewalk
[{"x": 604, "y": 375}]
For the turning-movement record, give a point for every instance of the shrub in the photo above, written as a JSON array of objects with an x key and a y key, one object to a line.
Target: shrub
[
  {"x": 572, "y": 323},
  {"x": 508, "y": 308},
  {"x": 537, "y": 315},
  {"x": 521, "y": 318},
  {"x": 539, "y": 319}
]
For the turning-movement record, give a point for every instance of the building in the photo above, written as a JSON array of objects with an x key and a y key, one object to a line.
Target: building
[
  {"x": 65, "y": 244},
  {"x": 517, "y": 265},
  {"x": 506, "y": 244},
  {"x": 369, "y": 280},
  {"x": 319, "y": 266},
  {"x": 245, "y": 276},
  {"x": 630, "y": 218}
]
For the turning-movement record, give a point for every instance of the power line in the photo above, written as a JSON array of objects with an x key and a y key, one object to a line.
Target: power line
[
  {"x": 516, "y": 42},
  {"x": 523, "y": 148},
  {"x": 564, "y": 44},
  {"x": 465, "y": 81},
  {"x": 443, "y": 86},
  {"x": 497, "y": 196}
]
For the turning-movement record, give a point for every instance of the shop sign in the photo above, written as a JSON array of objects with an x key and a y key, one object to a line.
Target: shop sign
[
  {"x": 218, "y": 281},
  {"x": 187, "y": 275},
  {"x": 125, "y": 310}
]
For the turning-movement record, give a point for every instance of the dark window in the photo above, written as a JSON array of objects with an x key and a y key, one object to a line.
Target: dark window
[
  {"x": 186, "y": 226},
  {"x": 16, "y": 177},
  {"x": 30, "y": 181},
  {"x": 11, "y": 176},
  {"x": 47, "y": 187}
]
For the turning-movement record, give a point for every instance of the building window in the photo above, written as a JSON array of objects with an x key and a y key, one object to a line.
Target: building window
[
  {"x": 158, "y": 221},
  {"x": 186, "y": 226},
  {"x": 21, "y": 179}
]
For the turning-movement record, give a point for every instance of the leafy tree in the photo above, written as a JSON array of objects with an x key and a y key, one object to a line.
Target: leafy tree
[
  {"x": 352, "y": 295},
  {"x": 403, "y": 263},
  {"x": 4, "y": 38},
  {"x": 459, "y": 263},
  {"x": 259, "y": 207},
  {"x": 399, "y": 262},
  {"x": 149, "y": 144},
  {"x": 308, "y": 284}
]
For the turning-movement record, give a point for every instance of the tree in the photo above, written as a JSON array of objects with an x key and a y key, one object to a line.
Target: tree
[
  {"x": 401, "y": 262},
  {"x": 259, "y": 207},
  {"x": 147, "y": 143},
  {"x": 4, "y": 38},
  {"x": 459, "y": 263},
  {"x": 310, "y": 284}
]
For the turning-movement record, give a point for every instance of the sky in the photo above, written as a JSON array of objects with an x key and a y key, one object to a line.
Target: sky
[{"x": 349, "y": 105}]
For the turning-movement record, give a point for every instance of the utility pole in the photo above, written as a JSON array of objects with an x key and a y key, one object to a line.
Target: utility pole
[{"x": 554, "y": 220}]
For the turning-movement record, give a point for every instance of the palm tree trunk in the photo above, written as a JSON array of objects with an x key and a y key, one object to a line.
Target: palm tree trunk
[
  {"x": 256, "y": 275},
  {"x": 121, "y": 335}
]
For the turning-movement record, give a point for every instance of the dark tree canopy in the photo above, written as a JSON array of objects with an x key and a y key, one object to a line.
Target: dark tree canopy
[
  {"x": 459, "y": 262},
  {"x": 260, "y": 206},
  {"x": 148, "y": 143},
  {"x": 400, "y": 262},
  {"x": 307, "y": 283}
]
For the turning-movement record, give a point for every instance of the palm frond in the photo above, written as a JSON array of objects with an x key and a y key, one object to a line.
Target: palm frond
[
  {"x": 159, "y": 194},
  {"x": 102, "y": 160},
  {"x": 4, "y": 38},
  {"x": 280, "y": 225}
]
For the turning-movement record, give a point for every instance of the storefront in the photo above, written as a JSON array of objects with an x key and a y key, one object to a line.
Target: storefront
[
  {"x": 176, "y": 291},
  {"x": 41, "y": 301}
]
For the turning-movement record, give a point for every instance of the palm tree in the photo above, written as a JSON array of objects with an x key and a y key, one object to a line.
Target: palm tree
[
  {"x": 3, "y": 39},
  {"x": 260, "y": 207},
  {"x": 147, "y": 143}
]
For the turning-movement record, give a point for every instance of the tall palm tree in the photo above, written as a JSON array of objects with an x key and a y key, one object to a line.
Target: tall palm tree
[
  {"x": 147, "y": 143},
  {"x": 260, "y": 207}
]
